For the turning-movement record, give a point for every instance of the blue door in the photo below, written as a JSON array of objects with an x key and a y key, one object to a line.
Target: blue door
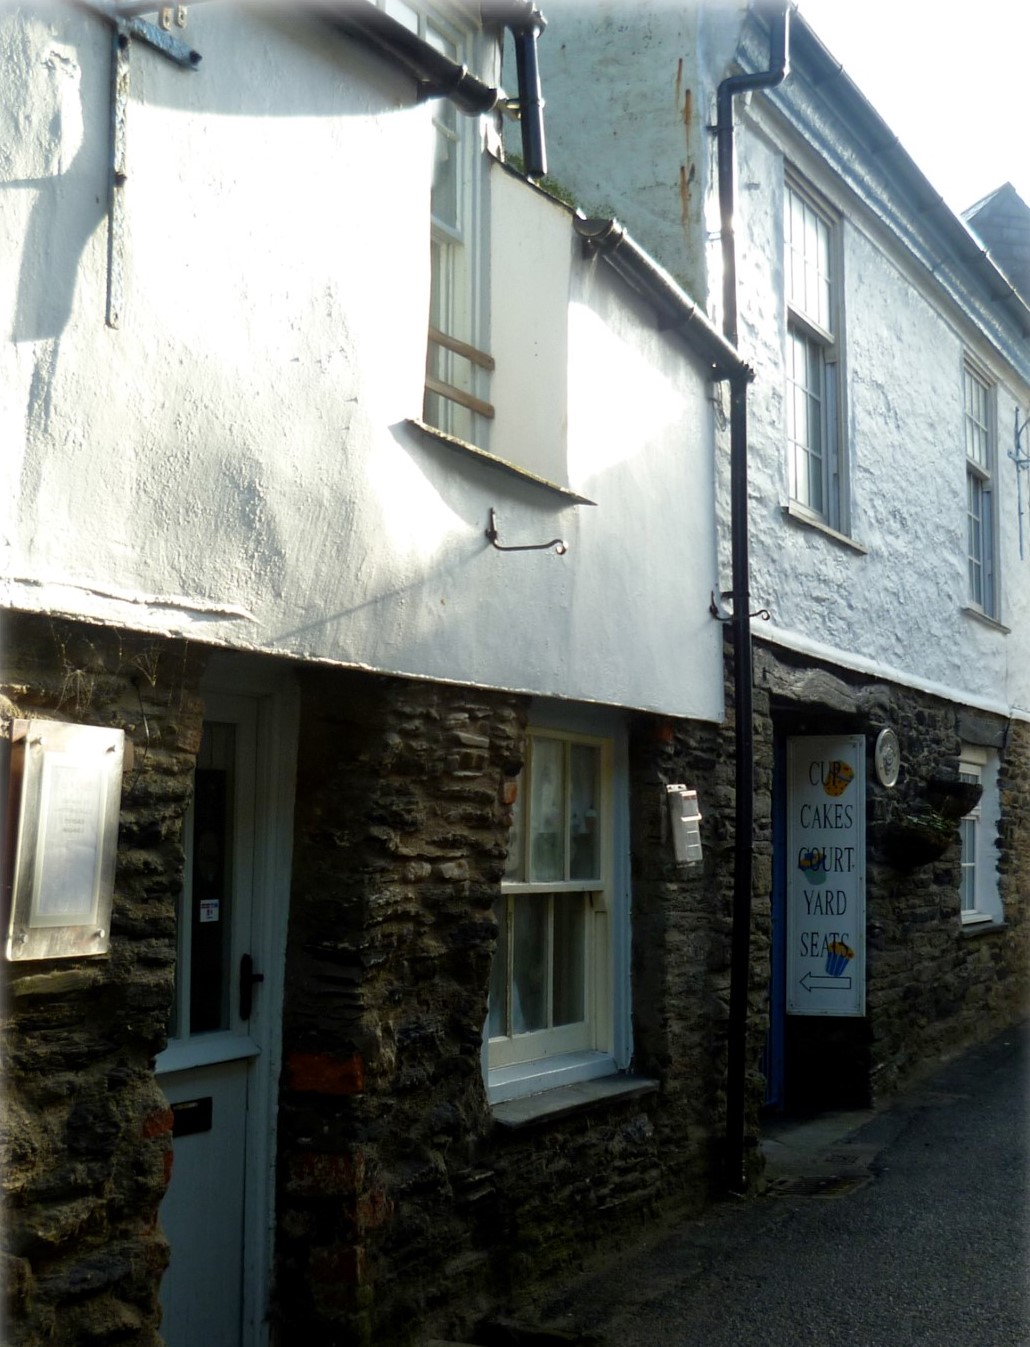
[{"x": 773, "y": 1057}]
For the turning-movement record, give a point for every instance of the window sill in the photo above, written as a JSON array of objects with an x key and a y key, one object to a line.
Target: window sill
[
  {"x": 986, "y": 619},
  {"x": 453, "y": 442},
  {"x": 550, "y": 1105},
  {"x": 204, "y": 1050},
  {"x": 979, "y": 923},
  {"x": 797, "y": 514}
]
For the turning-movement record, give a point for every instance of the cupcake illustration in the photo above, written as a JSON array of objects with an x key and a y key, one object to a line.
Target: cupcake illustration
[
  {"x": 837, "y": 957},
  {"x": 812, "y": 864},
  {"x": 838, "y": 778}
]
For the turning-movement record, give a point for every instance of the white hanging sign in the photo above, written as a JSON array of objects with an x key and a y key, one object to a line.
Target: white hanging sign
[{"x": 826, "y": 875}]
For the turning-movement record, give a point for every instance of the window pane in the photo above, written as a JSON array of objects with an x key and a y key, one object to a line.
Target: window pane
[
  {"x": 976, "y": 550},
  {"x": 403, "y": 13},
  {"x": 805, "y": 420},
  {"x": 529, "y": 964},
  {"x": 968, "y": 831},
  {"x": 498, "y": 1019},
  {"x": 211, "y": 917},
  {"x": 445, "y": 172},
  {"x": 569, "y": 958},
  {"x": 585, "y": 842},
  {"x": 547, "y": 810},
  {"x": 515, "y": 865},
  {"x": 808, "y": 267}
]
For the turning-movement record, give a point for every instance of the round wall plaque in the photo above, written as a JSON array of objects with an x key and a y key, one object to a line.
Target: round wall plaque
[{"x": 887, "y": 757}]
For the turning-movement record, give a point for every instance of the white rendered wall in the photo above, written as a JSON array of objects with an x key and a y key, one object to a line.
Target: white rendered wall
[
  {"x": 621, "y": 130},
  {"x": 901, "y": 608},
  {"x": 235, "y": 462}
]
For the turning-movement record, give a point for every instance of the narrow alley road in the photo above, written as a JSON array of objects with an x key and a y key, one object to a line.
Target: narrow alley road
[{"x": 931, "y": 1251}]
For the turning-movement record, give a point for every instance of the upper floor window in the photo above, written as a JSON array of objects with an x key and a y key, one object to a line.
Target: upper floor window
[
  {"x": 978, "y": 400},
  {"x": 811, "y": 283},
  {"x": 457, "y": 368}
]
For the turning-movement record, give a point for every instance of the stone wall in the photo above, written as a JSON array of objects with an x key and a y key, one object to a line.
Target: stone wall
[
  {"x": 403, "y": 1205},
  {"x": 933, "y": 986},
  {"x": 682, "y": 934},
  {"x": 400, "y": 840},
  {"x": 86, "y": 1145}
]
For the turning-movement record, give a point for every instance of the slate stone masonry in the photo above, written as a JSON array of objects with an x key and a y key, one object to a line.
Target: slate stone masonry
[
  {"x": 86, "y": 1135},
  {"x": 403, "y": 1207},
  {"x": 933, "y": 986}
]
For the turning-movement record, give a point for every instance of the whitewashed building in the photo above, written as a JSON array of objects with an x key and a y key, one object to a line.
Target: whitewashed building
[
  {"x": 362, "y": 497},
  {"x": 886, "y": 450}
]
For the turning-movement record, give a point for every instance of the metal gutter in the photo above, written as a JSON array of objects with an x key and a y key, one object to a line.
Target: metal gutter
[
  {"x": 437, "y": 76},
  {"x": 676, "y": 310}
]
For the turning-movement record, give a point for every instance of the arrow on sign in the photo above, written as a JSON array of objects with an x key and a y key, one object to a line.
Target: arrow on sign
[{"x": 812, "y": 984}]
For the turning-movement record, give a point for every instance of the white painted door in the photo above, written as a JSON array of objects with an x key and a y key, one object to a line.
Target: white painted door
[{"x": 218, "y": 1070}]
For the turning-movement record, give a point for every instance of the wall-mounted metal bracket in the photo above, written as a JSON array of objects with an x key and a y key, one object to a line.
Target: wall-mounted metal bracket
[
  {"x": 559, "y": 544},
  {"x": 126, "y": 25},
  {"x": 720, "y": 616}
]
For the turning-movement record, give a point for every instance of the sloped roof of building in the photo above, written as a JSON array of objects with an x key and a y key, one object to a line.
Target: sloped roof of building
[
  {"x": 830, "y": 111},
  {"x": 1001, "y": 221}
]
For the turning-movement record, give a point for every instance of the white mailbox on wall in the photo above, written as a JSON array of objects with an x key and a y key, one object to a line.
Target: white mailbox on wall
[{"x": 685, "y": 823}]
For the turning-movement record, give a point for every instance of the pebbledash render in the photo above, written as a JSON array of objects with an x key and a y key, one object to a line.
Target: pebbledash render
[{"x": 372, "y": 500}]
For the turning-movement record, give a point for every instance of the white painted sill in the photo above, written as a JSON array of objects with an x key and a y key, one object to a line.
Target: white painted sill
[
  {"x": 204, "y": 1050},
  {"x": 985, "y": 618},
  {"x": 797, "y": 515},
  {"x": 484, "y": 456},
  {"x": 550, "y": 1105},
  {"x": 547, "y": 1074},
  {"x": 980, "y": 923}
]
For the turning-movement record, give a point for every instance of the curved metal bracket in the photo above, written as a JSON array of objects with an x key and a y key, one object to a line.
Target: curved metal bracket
[
  {"x": 559, "y": 544},
  {"x": 720, "y": 616}
]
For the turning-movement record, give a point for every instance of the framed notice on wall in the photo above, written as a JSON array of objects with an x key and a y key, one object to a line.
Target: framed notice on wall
[
  {"x": 826, "y": 875},
  {"x": 63, "y": 804}
]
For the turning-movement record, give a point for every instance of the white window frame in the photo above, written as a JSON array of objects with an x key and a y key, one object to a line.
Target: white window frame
[
  {"x": 519, "y": 1065},
  {"x": 812, "y": 268},
  {"x": 979, "y": 428},
  {"x": 980, "y": 899},
  {"x": 456, "y": 308}
]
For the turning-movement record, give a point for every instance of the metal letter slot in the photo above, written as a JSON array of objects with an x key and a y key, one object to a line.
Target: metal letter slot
[{"x": 190, "y": 1116}]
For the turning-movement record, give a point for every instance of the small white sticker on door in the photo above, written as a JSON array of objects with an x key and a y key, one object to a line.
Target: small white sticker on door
[{"x": 209, "y": 909}]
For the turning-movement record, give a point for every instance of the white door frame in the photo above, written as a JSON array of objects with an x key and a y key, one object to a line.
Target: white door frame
[{"x": 276, "y": 702}]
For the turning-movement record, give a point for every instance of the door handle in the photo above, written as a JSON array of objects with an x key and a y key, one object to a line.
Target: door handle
[{"x": 247, "y": 980}]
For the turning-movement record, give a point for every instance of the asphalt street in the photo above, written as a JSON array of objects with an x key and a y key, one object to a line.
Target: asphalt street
[{"x": 925, "y": 1243}]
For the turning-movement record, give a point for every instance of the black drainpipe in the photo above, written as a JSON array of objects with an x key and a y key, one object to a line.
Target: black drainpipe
[
  {"x": 526, "y": 26},
  {"x": 740, "y": 956}
]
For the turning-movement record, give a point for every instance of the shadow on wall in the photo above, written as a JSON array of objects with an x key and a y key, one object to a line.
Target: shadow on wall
[
  {"x": 59, "y": 144},
  {"x": 57, "y": 154}
]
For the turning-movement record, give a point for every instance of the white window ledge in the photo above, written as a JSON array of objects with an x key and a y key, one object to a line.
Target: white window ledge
[
  {"x": 798, "y": 515},
  {"x": 550, "y": 1105},
  {"x": 453, "y": 442},
  {"x": 204, "y": 1050},
  {"x": 986, "y": 619},
  {"x": 980, "y": 923}
]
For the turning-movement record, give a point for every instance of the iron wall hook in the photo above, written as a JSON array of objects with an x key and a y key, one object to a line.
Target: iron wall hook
[{"x": 559, "y": 544}]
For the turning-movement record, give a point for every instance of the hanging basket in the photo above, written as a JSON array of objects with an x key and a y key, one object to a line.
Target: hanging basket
[
  {"x": 912, "y": 840},
  {"x": 953, "y": 799}
]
